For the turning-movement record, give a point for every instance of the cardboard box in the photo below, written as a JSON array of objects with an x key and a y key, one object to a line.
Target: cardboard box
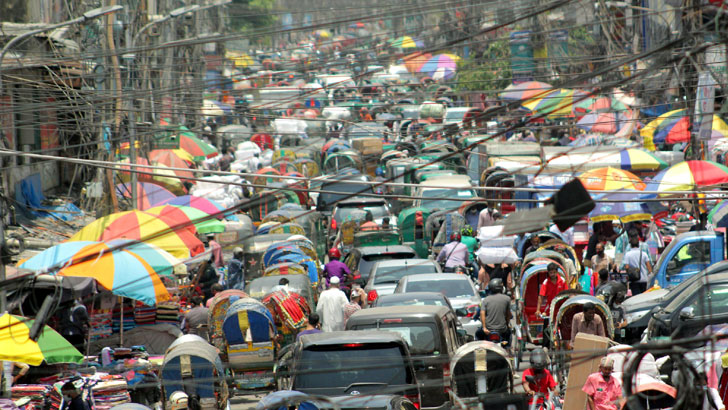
[
  {"x": 368, "y": 146},
  {"x": 588, "y": 352}
]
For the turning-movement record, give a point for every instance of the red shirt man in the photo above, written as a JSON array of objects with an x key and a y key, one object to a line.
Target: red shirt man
[
  {"x": 603, "y": 391},
  {"x": 550, "y": 288}
]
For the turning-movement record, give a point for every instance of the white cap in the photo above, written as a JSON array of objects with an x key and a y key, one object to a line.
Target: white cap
[
  {"x": 335, "y": 280},
  {"x": 238, "y": 250}
]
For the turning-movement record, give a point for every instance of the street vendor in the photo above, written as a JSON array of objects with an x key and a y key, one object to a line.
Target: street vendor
[{"x": 73, "y": 398}]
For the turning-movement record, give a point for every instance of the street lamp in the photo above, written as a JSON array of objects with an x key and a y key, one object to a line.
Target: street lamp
[
  {"x": 89, "y": 15},
  {"x": 131, "y": 43}
]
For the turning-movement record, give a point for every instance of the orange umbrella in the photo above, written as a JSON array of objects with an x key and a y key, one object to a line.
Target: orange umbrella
[
  {"x": 171, "y": 159},
  {"x": 608, "y": 179},
  {"x": 414, "y": 61}
]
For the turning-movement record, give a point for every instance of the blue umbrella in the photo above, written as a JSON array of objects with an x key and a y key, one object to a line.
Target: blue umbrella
[{"x": 624, "y": 211}]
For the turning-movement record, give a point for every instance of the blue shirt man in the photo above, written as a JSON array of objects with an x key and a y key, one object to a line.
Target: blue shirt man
[{"x": 236, "y": 275}]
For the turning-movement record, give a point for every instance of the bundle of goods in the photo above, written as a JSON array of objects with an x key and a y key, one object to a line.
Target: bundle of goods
[
  {"x": 168, "y": 313},
  {"x": 35, "y": 392},
  {"x": 145, "y": 315},
  {"x": 99, "y": 324},
  {"x": 108, "y": 394},
  {"x": 128, "y": 319},
  {"x": 289, "y": 310}
]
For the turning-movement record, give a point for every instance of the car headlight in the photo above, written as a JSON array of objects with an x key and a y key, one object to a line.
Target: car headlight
[{"x": 635, "y": 316}]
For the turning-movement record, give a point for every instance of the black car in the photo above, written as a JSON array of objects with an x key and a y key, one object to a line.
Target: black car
[
  {"x": 349, "y": 363},
  {"x": 433, "y": 338},
  {"x": 638, "y": 310},
  {"x": 701, "y": 303}
]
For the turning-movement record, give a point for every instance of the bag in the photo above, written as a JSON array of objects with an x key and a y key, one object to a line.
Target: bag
[{"x": 633, "y": 274}]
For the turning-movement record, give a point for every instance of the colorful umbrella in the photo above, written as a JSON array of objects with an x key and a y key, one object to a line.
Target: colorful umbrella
[
  {"x": 688, "y": 175},
  {"x": 322, "y": 33},
  {"x": 609, "y": 179},
  {"x": 147, "y": 193},
  {"x": 622, "y": 208},
  {"x": 196, "y": 147},
  {"x": 239, "y": 59},
  {"x": 166, "y": 178},
  {"x": 558, "y": 103},
  {"x": 414, "y": 61},
  {"x": 630, "y": 159},
  {"x": 174, "y": 158},
  {"x": 185, "y": 214},
  {"x": 16, "y": 346},
  {"x": 525, "y": 91},
  {"x": 205, "y": 205},
  {"x": 406, "y": 42},
  {"x": 669, "y": 128},
  {"x": 137, "y": 225},
  {"x": 125, "y": 175},
  {"x": 446, "y": 61},
  {"x": 115, "y": 268},
  {"x": 598, "y": 104},
  {"x": 604, "y": 122},
  {"x": 718, "y": 216}
]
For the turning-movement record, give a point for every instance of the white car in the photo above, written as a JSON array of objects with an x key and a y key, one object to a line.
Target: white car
[{"x": 385, "y": 275}]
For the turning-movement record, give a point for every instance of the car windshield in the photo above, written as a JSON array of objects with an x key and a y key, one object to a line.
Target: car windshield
[
  {"x": 373, "y": 257},
  {"x": 420, "y": 337},
  {"x": 449, "y": 288},
  {"x": 453, "y": 193},
  {"x": 392, "y": 274},
  {"x": 343, "y": 365},
  {"x": 385, "y": 301},
  {"x": 378, "y": 211}
]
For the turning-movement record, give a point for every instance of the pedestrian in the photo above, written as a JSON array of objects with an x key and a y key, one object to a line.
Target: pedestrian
[
  {"x": 637, "y": 261},
  {"x": 485, "y": 218},
  {"x": 587, "y": 322},
  {"x": 330, "y": 306},
  {"x": 601, "y": 260},
  {"x": 72, "y": 397},
  {"x": 196, "y": 318},
  {"x": 216, "y": 288},
  {"x": 495, "y": 312},
  {"x": 216, "y": 250},
  {"x": 602, "y": 390},
  {"x": 550, "y": 287},
  {"x": 312, "y": 325},
  {"x": 538, "y": 379},
  {"x": 236, "y": 275},
  {"x": 354, "y": 304},
  {"x": 453, "y": 254},
  {"x": 335, "y": 268}
]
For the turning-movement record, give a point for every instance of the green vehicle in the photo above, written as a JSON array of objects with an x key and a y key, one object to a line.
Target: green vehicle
[
  {"x": 311, "y": 221},
  {"x": 411, "y": 222},
  {"x": 389, "y": 237},
  {"x": 425, "y": 174},
  {"x": 340, "y": 160}
]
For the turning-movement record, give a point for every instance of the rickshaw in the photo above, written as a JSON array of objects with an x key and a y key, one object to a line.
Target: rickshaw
[
  {"x": 283, "y": 153},
  {"x": 311, "y": 221},
  {"x": 335, "y": 145},
  {"x": 300, "y": 284},
  {"x": 470, "y": 210},
  {"x": 557, "y": 245},
  {"x": 411, "y": 223},
  {"x": 546, "y": 256},
  {"x": 381, "y": 237},
  {"x": 268, "y": 201},
  {"x": 311, "y": 265},
  {"x": 284, "y": 166},
  {"x": 448, "y": 223},
  {"x": 191, "y": 365},
  {"x": 285, "y": 268},
  {"x": 308, "y": 167},
  {"x": 299, "y": 244},
  {"x": 276, "y": 250},
  {"x": 290, "y": 310},
  {"x": 262, "y": 176},
  {"x": 525, "y": 241},
  {"x": 340, "y": 160},
  {"x": 530, "y": 327},
  {"x": 253, "y": 250},
  {"x": 216, "y": 314},
  {"x": 479, "y": 370},
  {"x": 346, "y": 230},
  {"x": 264, "y": 141},
  {"x": 289, "y": 228},
  {"x": 569, "y": 304},
  {"x": 249, "y": 332}
]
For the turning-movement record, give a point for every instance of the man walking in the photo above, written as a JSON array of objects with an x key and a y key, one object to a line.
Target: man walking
[
  {"x": 331, "y": 306},
  {"x": 637, "y": 259}
]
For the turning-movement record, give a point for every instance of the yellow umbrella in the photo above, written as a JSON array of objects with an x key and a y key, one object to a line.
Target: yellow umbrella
[
  {"x": 16, "y": 345},
  {"x": 239, "y": 59}
]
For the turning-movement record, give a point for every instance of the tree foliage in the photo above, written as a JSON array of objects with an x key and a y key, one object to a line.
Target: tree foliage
[
  {"x": 490, "y": 71},
  {"x": 248, "y": 15}
]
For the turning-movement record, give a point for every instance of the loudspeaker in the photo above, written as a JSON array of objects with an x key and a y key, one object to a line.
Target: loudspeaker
[{"x": 571, "y": 203}]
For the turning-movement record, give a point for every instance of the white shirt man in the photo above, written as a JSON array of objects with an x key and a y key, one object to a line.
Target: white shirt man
[{"x": 331, "y": 307}]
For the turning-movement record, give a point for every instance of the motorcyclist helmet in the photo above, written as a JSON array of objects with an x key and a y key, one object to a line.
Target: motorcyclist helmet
[
  {"x": 496, "y": 285},
  {"x": 334, "y": 253},
  {"x": 538, "y": 359},
  {"x": 467, "y": 231}
]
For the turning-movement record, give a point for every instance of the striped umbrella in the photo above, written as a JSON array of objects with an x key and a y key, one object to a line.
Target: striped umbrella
[
  {"x": 16, "y": 345},
  {"x": 406, "y": 42},
  {"x": 525, "y": 91},
  {"x": 620, "y": 208},
  {"x": 196, "y": 219},
  {"x": 610, "y": 179},
  {"x": 688, "y": 175},
  {"x": 147, "y": 193}
]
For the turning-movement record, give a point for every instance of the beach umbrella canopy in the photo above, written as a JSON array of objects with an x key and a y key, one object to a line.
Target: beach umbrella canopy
[
  {"x": 180, "y": 214},
  {"x": 406, "y": 42},
  {"x": 205, "y": 205},
  {"x": 525, "y": 91},
  {"x": 609, "y": 179},
  {"x": 688, "y": 175},
  {"x": 322, "y": 33},
  {"x": 558, "y": 103},
  {"x": 115, "y": 268},
  {"x": 598, "y": 104},
  {"x": 622, "y": 208},
  {"x": 414, "y": 61},
  {"x": 173, "y": 158},
  {"x": 124, "y": 173},
  {"x": 673, "y": 127},
  {"x": 604, "y": 122},
  {"x": 446, "y": 61},
  {"x": 138, "y": 225},
  {"x": 16, "y": 346},
  {"x": 635, "y": 159},
  {"x": 718, "y": 216},
  {"x": 196, "y": 147},
  {"x": 147, "y": 193}
]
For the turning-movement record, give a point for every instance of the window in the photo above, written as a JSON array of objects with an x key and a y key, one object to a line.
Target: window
[
  {"x": 420, "y": 338},
  {"x": 392, "y": 274},
  {"x": 449, "y": 288},
  {"x": 694, "y": 256},
  {"x": 710, "y": 300}
]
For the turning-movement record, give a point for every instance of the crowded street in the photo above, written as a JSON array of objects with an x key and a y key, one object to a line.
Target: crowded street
[{"x": 440, "y": 205}]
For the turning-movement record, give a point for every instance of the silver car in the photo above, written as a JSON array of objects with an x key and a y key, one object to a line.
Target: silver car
[
  {"x": 385, "y": 275},
  {"x": 459, "y": 289}
]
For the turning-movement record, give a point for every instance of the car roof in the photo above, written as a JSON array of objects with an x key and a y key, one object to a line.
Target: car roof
[
  {"x": 412, "y": 295},
  {"x": 423, "y": 277},
  {"x": 385, "y": 312},
  {"x": 457, "y": 181},
  {"x": 400, "y": 262},
  {"x": 360, "y": 200},
  {"x": 350, "y": 336},
  {"x": 368, "y": 250}
]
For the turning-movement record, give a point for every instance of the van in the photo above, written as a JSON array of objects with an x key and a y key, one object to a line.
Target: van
[
  {"x": 432, "y": 335},
  {"x": 349, "y": 363},
  {"x": 434, "y": 194}
]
